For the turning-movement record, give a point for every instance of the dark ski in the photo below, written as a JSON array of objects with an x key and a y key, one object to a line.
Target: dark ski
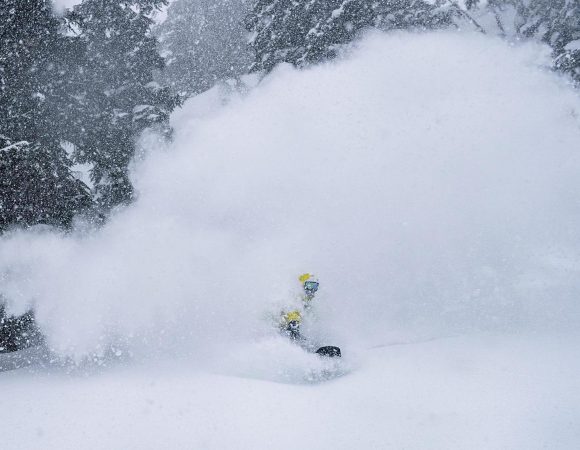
[{"x": 330, "y": 351}]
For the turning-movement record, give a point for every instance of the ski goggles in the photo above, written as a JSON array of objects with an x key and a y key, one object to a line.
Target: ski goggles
[{"x": 311, "y": 286}]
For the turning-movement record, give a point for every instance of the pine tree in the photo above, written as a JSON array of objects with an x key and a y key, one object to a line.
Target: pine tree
[
  {"x": 36, "y": 184},
  {"x": 557, "y": 23},
  {"x": 120, "y": 97},
  {"x": 18, "y": 332},
  {"x": 554, "y": 22},
  {"x": 305, "y": 32},
  {"x": 205, "y": 42}
]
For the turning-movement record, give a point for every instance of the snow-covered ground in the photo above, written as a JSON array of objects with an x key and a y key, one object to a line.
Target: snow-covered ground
[
  {"x": 431, "y": 181},
  {"x": 478, "y": 392}
]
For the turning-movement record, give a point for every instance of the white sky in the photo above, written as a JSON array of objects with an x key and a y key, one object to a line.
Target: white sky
[{"x": 61, "y": 4}]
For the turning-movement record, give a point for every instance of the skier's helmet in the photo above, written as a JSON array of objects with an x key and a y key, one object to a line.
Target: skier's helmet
[
  {"x": 292, "y": 317},
  {"x": 309, "y": 283}
]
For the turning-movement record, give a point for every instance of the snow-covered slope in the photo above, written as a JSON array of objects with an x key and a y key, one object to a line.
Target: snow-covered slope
[
  {"x": 481, "y": 392},
  {"x": 431, "y": 181}
]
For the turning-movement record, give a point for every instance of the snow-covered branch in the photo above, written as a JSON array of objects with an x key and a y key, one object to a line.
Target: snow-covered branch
[{"x": 15, "y": 145}]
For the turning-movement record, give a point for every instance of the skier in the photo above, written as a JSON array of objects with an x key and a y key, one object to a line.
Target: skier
[{"x": 291, "y": 320}]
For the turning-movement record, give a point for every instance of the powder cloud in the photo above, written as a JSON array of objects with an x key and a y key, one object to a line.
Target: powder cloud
[{"x": 429, "y": 180}]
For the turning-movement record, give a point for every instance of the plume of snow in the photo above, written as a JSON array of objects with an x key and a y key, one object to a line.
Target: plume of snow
[{"x": 430, "y": 181}]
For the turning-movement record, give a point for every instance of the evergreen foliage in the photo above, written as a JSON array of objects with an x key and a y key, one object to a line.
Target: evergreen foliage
[
  {"x": 36, "y": 184},
  {"x": 302, "y": 32},
  {"x": 120, "y": 98},
  {"x": 84, "y": 83},
  {"x": 18, "y": 332},
  {"x": 305, "y": 32},
  {"x": 554, "y": 22},
  {"x": 205, "y": 43}
]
